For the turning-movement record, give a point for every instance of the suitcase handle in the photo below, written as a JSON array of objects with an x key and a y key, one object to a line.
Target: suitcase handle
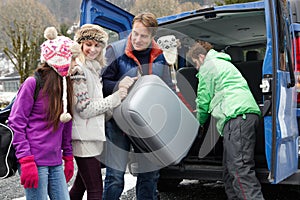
[{"x": 137, "y": 119}]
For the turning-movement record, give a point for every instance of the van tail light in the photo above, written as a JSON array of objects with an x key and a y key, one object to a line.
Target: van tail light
[{"x": 297, "y": 67}]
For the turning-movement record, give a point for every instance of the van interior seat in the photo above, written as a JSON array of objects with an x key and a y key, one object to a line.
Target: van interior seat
[
  {"x": 252, "y": 55},
  {"x": 236, "y": 54},
  {"x": 251, "y": 69},
  {"x": 187, "y": 82},
  {"x": 252, "y": 72}
]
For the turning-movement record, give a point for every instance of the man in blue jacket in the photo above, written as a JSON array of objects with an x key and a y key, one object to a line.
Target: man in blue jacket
[{"x": 135, "y": 56}]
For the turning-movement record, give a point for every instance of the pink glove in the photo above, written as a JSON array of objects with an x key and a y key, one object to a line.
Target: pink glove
[
  {"x": 69, "y": 167},
  {"x": 29, "y": 172}
]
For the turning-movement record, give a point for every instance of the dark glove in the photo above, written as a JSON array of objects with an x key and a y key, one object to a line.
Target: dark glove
[
  {"x": 29, "y": 172},
  {"x": 69, "y": 167}
]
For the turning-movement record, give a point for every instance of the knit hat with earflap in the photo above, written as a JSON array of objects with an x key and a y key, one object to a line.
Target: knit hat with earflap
[
  {"x": 57, "y": 52},
  {"x": 169, "y": 44}
]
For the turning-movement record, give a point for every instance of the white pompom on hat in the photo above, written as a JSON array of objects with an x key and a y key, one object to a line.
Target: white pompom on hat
[{"x": 57, "y": 52}]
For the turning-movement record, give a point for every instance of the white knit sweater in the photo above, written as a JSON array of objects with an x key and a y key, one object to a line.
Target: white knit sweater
[{"x": 88, "y": 132}]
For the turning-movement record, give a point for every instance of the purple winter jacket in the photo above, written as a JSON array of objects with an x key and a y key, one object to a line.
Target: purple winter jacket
[{"x": 31, "y": 134}]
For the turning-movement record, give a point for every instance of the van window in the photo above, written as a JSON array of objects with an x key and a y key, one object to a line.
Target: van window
[
  {"x": 254, "y": 54},
  {"x": 112, "y": 35}
]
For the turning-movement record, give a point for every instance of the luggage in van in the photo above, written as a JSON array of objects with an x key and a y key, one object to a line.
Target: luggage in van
[{"x": 157, "y": 121}]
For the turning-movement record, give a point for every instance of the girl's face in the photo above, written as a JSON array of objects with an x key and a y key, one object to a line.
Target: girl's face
[{"x": 91, "y": 49}]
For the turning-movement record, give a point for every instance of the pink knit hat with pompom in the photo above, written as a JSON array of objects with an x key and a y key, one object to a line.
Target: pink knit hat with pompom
[{"x": 57, "y": 52}]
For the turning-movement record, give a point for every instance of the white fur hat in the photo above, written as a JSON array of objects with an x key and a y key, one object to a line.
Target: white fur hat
[
  {"x": 168, "y": 44},
  {"x": 91, "y": 32}
]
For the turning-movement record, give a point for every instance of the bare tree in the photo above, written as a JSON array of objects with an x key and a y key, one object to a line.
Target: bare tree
[
  {"x": 163, "y": 7},
  {"x": 233, "y": 1},
  {"x": 66, "y": 11},
  {"x": 158, "y": 7},
  {"x": 124, "y": 4},
  {"x": 187, "y": 6},
  {"x": 22, "y": 23}
]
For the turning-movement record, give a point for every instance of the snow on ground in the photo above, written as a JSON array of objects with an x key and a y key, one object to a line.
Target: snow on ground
[
  {"x": 7, "y": 96},
  {"x": 129, "y": 184}
]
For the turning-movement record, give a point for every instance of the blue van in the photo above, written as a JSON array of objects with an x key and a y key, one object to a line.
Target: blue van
[{"x": 263, "y": 39}]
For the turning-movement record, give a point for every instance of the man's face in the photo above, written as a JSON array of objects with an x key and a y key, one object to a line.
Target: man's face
[
  {"x": 198, "y": 61},
  {"x": 141, "y": 37}
]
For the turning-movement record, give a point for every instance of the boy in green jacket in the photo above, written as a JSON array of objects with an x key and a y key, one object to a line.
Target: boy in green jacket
[{"x": 224, "y": 93}]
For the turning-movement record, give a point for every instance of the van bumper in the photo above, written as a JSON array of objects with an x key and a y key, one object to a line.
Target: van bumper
[{"x": 214, "y": 173}]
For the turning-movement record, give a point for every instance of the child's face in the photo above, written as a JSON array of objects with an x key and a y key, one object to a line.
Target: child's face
[{"x": 91, "y": 49}]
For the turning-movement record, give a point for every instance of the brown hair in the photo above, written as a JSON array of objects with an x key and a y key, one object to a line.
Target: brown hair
[
  {"x": 196, "y": 50},
  {"x": 52, "y": 87},
  {"x": 148, "y": 20},
  {"x": 206, "y": 45}
]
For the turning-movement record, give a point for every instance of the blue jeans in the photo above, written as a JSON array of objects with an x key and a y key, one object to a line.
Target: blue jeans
[
  {"x": 52, "y": 182},
  {"x": 117, "y": 149}
]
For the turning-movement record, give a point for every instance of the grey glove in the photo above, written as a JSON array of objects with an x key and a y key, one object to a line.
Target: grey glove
[
  {"x": 127, "y": 82},
  {"x": 122, "y": 92}
]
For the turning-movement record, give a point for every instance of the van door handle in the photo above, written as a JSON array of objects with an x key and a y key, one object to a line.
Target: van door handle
[
  {"x": 291, "y": 70},
  {"x": 267, "y": 106}
]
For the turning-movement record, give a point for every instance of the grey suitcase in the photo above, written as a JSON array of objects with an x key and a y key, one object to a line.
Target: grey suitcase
[{"x": 157, "y": 121}]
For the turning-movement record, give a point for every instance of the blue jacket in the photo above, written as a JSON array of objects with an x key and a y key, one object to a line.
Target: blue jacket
[{"x": 122, "y": 62}]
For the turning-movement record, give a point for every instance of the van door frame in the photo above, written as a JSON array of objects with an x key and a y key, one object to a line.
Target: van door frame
[
  {"x": 106, "y": 15},
  {"x": 282, "y": 137}
]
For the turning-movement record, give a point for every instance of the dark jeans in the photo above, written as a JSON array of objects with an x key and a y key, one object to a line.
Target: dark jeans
[
  {"x": 117, "y": 148},
  {"x": 238, "y": 158},
  {"x": 88, "y": 178}
]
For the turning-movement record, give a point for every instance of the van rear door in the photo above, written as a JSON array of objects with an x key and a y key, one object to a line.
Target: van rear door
[
  {"x": 106, "y": 15},
  {"x": 281, "y": 129}
]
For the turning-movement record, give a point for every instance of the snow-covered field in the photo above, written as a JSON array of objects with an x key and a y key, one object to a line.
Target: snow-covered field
[
  {"x": 7, "y": 96},
  {"x": 129, "y": 184},
  {"x": 6, "y": 68}
]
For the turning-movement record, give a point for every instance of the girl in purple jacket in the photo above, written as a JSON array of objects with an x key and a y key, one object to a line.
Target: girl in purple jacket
[{"x": 42, "y": 127}]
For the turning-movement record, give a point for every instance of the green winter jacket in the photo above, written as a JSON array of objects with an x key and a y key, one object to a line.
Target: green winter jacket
[{"x": 222, "y": 91}]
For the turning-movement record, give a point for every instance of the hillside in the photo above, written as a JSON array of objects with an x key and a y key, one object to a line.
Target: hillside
[{"x": 66, "y": 11}]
